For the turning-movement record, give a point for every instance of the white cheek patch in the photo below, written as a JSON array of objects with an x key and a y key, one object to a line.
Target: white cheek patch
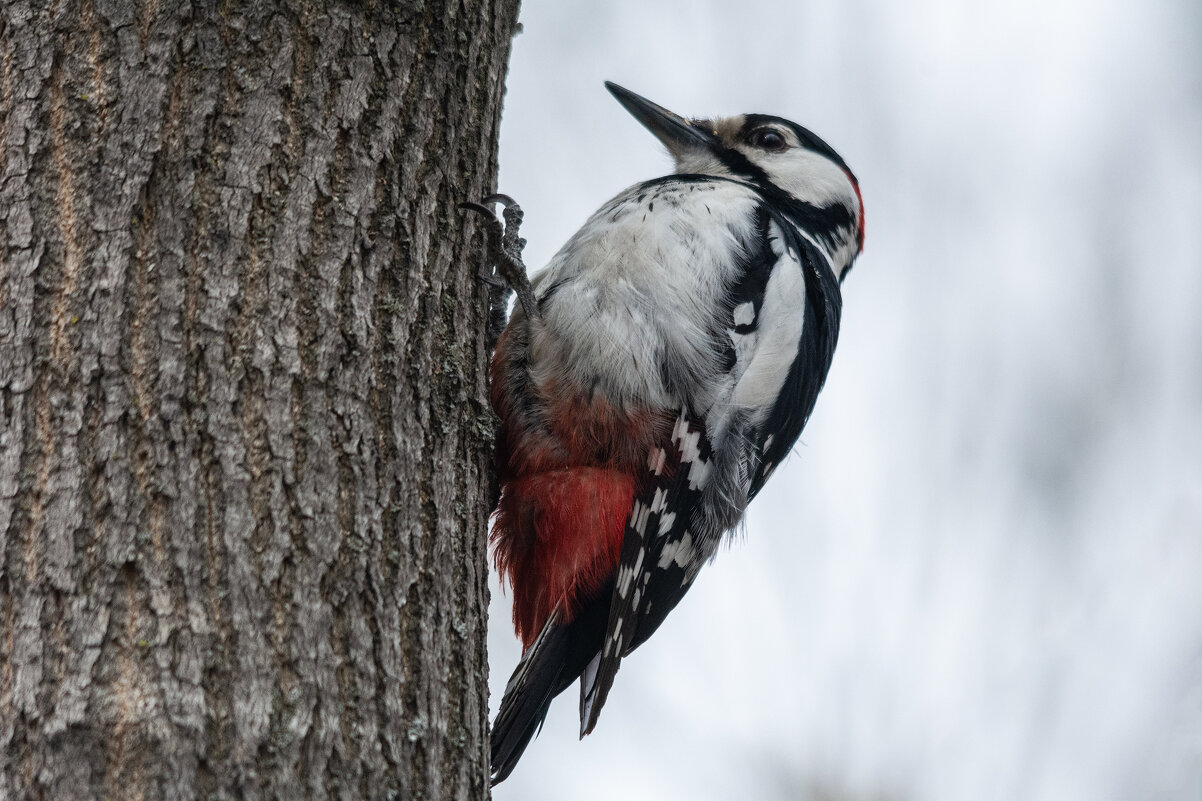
[{"x": 805, "y": 175}]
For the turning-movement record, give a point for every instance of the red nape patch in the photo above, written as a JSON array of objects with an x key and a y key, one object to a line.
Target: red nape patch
[
  {"x": 557, "y": 539},
  {"x": 856, "y": 186}
]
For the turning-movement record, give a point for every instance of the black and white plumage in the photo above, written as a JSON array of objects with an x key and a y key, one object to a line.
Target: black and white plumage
[{"x": 677, "y": 348}]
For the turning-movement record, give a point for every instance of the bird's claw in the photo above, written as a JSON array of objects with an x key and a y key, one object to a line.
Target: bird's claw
[{"x": 503, "y": 269}]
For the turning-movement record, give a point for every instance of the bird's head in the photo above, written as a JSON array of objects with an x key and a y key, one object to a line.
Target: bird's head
[{"x": 799, "y": 172}]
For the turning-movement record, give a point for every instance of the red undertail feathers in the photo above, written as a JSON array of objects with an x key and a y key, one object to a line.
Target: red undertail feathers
[{"x": 569, "y": 466}]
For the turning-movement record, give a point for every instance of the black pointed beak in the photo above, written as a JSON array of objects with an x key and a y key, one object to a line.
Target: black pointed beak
[{"x": 677, "y": 133}]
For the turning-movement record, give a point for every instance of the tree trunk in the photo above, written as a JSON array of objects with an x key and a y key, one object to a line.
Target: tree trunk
[{"x": 244, "y": 474}]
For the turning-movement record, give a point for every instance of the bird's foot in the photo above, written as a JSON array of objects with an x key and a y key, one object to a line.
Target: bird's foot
[{"x": 503, "y": 269}]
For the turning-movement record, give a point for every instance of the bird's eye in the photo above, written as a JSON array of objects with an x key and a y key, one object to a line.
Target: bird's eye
[{"x": 767, "y": 139}]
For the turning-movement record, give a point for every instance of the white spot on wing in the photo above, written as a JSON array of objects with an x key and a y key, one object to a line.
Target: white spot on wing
[
  {"x": 589, "y": 677},
  {"x": 782, "y": 318},
  {"x": 659, "y": 458},
  {"x": 638, "y": 518},
  {"x": 745, "y": 314},
  {"x": 690, "y": 443},
  {"x": 679, "y": 552},
  {"x": 690, "y": 453},
  {"x": 699, "y": 474},
  {"x": 660, "y": 502}
]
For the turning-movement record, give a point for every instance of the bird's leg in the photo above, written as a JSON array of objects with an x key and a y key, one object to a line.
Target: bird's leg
[
  {"x": 503, "y": 268},
  {"x": 498, "y": 302}
]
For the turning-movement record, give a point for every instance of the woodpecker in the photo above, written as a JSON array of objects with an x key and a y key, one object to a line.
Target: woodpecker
[{"x": 649, "y": 381}]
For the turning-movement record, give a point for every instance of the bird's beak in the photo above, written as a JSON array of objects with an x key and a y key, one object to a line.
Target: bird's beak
[{"x": 678, "y": 134}]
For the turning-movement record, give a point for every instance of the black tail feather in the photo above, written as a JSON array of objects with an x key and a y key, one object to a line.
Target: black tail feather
[
  {"x": 534, "y": 684},
  {"x": 549, "y": 666}
]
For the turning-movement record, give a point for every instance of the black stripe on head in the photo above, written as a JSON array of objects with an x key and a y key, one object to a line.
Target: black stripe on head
[
  {"x": 809, "y": 140},
  {"x": 741, "y": 166}
]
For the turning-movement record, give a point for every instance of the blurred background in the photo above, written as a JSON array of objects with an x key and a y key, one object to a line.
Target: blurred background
[{"x": 980, "y": 574}]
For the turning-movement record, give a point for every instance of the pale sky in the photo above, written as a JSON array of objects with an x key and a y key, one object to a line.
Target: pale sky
[{"x": 980, "y": 575}]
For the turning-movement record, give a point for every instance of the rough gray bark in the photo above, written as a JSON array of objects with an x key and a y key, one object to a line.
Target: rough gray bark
[{"x": 243, "y": 436}]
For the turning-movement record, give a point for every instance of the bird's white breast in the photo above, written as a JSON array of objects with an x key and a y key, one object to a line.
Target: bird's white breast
[{"x": 633, "y": 295}]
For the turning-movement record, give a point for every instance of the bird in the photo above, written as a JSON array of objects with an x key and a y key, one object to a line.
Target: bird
[{"x": 649, "y": 381}]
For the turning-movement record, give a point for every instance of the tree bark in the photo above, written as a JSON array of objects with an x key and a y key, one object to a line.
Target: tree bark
[{"x": 244, "y": 442}]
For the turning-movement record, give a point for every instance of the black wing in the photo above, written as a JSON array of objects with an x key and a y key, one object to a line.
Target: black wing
[
  {"x": 657, "y": 564},
  {"x": 670, "y": 532},
  {"x": 816, "y": 350}
]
